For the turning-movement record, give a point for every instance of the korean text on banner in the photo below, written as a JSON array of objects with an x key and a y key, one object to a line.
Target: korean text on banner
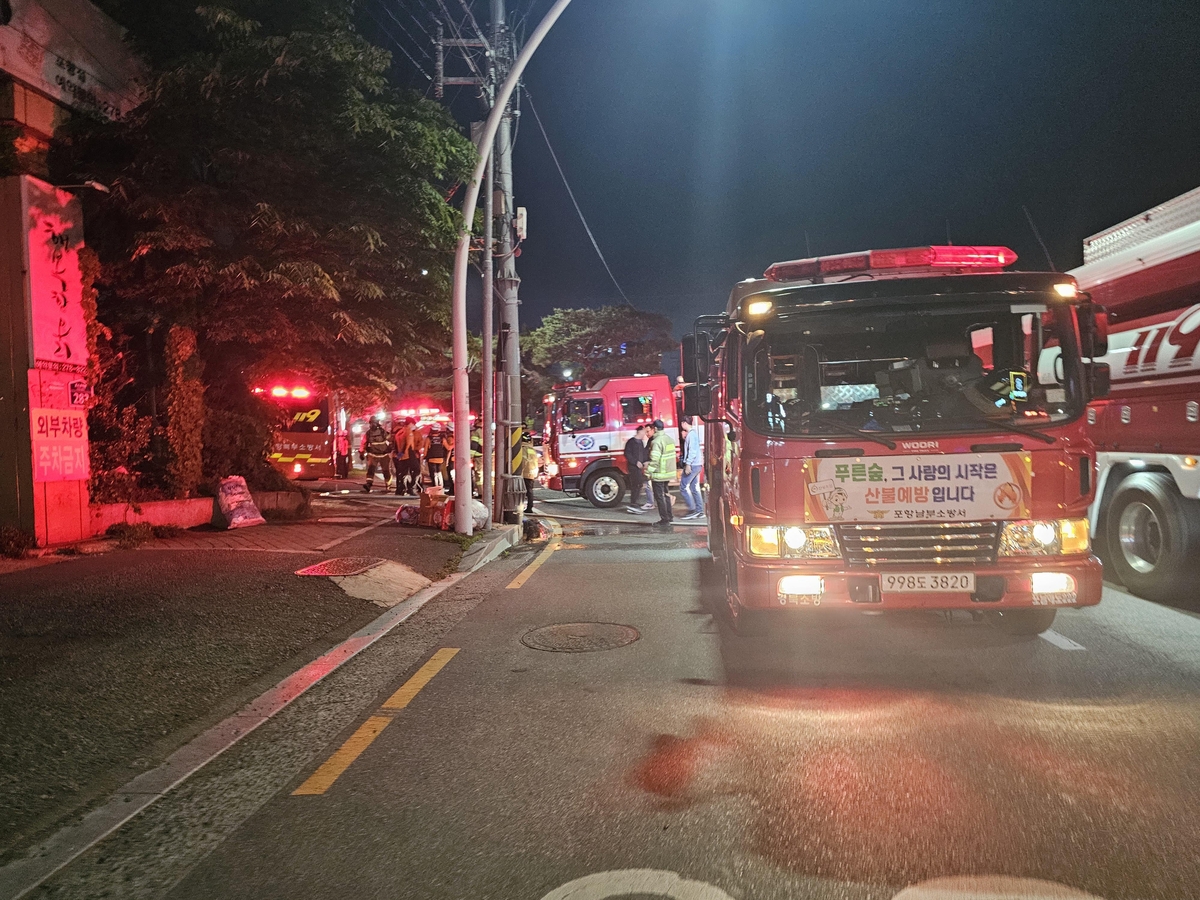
[{"x": 918, "y": 488}]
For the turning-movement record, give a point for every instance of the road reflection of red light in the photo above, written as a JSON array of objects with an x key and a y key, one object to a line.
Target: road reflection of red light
[{"x": 894, "y": 787}]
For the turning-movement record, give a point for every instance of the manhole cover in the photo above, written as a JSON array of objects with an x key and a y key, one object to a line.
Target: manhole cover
[
  {"x": 580, "y": 637},
  {"x": 342, "y": 565}
]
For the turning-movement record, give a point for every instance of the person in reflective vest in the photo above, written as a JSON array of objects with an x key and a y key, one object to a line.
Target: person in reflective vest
[
  {"x": 660, "y": 470},
  {"x": 529, "y": 468}
]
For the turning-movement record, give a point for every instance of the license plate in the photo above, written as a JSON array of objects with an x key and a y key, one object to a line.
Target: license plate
[{"x": 928, "y": 583}]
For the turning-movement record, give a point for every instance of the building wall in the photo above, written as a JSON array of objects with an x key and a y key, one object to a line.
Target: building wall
[{"x": 57, "y": 58}]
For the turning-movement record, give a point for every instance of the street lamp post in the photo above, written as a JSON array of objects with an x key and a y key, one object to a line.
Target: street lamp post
[{"x": 462, "y": 400}]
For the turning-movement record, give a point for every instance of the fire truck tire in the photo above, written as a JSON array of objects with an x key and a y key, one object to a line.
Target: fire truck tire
[
  {"x": 1022, "y": 621},
  {"x": 1152, "y": 531},
  {"x": 605, "y": 489}
]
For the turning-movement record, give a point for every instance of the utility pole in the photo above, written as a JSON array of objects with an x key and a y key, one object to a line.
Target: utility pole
[
  {"x": 495, "y": 148},
  {"x": 511, "y": 422}
]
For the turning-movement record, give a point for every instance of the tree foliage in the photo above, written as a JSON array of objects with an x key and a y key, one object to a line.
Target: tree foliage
[
  {"x": 275, "y": 194},
  {"x": 598, "y": 343}
]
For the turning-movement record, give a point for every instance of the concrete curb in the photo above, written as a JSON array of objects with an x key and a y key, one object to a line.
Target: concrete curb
[
  {"x": 499, "y": 539},
  {"x": 46, "y": 858}
]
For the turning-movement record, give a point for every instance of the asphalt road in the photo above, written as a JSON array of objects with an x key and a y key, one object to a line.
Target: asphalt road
[{"x": 852, "y": 758}]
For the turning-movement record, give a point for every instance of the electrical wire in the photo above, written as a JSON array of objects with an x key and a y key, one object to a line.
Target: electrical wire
[
  {"x": 399, "y": 46},
  {"x": 475, "y": 25},
  {"x": 571, "y": 194},
  {"x": 457, "y": 32},
  {"x": 420, "y": 24},
  {"x": 416, "y": 43}
]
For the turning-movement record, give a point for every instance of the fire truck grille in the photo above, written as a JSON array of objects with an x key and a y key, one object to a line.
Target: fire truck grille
[{"x": 941, "y": 543}]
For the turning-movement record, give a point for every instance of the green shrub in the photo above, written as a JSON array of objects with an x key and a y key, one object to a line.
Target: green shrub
[{"x": 15, "y": 543}]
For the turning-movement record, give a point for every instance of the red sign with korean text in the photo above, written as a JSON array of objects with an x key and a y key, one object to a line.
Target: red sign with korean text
[
  {"x": 60, "y": 444},
  {"x": 54, "y": 231}
]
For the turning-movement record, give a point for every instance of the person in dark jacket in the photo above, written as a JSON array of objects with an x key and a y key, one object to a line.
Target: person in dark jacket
[
  {"x": 376, "y": 449},
  {"x": 635, "y": 465}
]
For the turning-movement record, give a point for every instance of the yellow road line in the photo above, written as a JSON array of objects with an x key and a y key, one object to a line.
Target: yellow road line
[
  {"x": 322, "y": 780},
  {"x": 329, "y": 771},
  {"x": 420, "y": 678},
  {"x": 555, "y": 543}
]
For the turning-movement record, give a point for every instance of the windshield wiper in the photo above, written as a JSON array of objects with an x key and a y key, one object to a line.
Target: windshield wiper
[
  {"x": 850, "y": 429},
  {"x": 1016, "y": 429}
]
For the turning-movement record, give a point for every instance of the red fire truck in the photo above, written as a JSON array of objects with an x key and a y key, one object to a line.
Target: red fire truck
[
  {"x": 304, "y": 446},
  {"x": 1146, "y": 273},
  {"x": 586, "y": 429},
  {"x": 880, "y": 436}
]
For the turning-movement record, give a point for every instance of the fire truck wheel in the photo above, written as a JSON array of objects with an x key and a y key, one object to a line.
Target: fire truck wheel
[
  {"x": 1022, "y": 621},
  {"x": 604, "y": 489},
  {"x": 1152, "y": 531}
]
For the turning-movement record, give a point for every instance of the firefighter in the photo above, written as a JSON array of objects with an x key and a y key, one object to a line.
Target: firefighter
[
  {"x": 376, "y": 449},
  {"x": 407, "y": 458},
  {"x": 660, "y": 470},
  {"x": 477, "y": 459},
  {"x": 529, "y": 468},
  {"x": 435, "y": 454}
]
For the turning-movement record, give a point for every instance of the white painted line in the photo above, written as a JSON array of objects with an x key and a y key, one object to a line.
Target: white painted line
[
  {"x": 354, "y": 534},
  {"x": 23, "y": 875},
  {"x": 648, "y": 882},
  {"x": 1062, "y": 642}
]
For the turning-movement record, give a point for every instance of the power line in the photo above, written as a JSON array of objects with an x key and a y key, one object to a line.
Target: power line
[
  {"x": 420, "y": 25},
  {"x": 457, "y": 32},
  {"x": 399, "y": 46},
  {"x": 571, "y": 194},
  {"x": 418, "y": 44}
]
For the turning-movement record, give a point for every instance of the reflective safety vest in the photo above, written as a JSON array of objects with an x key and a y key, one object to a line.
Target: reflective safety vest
[{"x": 662, "y": 458}]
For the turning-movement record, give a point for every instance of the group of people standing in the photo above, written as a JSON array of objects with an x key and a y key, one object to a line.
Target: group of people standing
[
  {"x": 403, "y": 450},
  {"x": 650, "y": 455}
]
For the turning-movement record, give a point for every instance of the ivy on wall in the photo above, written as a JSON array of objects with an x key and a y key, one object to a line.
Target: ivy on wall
[{"x": 185, "y": 411}]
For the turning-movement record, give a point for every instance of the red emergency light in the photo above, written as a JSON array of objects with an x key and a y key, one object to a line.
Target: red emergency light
[
  {"x": 944, "y": 257},
  {"x": 280, "y": 391}
]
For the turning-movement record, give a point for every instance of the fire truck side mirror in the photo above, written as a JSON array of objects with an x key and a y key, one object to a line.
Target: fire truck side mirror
[
  {"x": 687, "y": 359},
  {"x": 697, "y": 400},
  {"x": 695, "y": 357},
  {"x": 1099, "y": 380}
]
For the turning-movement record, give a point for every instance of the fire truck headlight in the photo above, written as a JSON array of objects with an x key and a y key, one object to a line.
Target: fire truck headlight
[
  {"x": 763, "y": 541},
  {"x": 793, "y": 542},
  {"x": 1051, "y": 537},
  {"x": 818, "y": 542}
]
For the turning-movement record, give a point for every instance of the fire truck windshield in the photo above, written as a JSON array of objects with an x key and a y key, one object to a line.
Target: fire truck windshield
[{"x": 931, "y": 369}]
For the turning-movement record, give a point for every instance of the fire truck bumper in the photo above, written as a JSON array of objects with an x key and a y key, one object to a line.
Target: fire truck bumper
[{"x": 1069, "y": 581}]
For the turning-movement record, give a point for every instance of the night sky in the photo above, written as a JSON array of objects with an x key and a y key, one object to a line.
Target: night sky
[{"x": 703, "y": 138}]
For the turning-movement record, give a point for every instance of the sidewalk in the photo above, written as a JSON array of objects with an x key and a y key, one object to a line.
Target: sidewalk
[{"x": 110, "y": 662}]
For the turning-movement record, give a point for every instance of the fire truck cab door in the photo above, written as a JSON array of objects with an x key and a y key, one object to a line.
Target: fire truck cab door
[{"x": 584, "y": 426}]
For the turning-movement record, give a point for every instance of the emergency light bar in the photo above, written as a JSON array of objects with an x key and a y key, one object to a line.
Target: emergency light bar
[{"x": 945, "y": 257}]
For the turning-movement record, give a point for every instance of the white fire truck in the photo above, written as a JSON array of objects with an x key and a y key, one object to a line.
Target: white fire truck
[{"x": 1146, "y": 272}]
